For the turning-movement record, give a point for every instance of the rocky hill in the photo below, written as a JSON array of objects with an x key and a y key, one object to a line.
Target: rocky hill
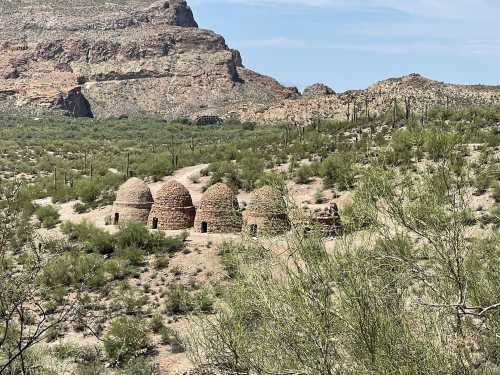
[
  {"x": 142, "y": 59},
  {"x": 134, "y": 58},
  {"x": 414, "y": 93}
]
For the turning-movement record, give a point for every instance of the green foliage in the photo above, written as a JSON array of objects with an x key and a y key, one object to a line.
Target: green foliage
[
  {"x": 303, "y": 174},
  {"x": 496, "y": 192},
  {"x": 381, "y": 302},
  {"x": 75, "y": 269},
  {"x": 127, "y": 338},
  {"x": 172, "y": 338},
  {"x": 95, "y": 239},
  {"x": 156, "y": 323},
  {"x": 133, "y": 240},
  {"x": 178, "y": 300},
  {"x": 439, "y": 144},
  {"x": 234, "y": 256},
  {"x": 339, "y": 170},
  {"x": 48, "y": 216},
  {"x": 135, "y": 235}
]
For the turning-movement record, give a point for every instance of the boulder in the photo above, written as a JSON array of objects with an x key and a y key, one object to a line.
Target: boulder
[{"x": 318, "y": 89}]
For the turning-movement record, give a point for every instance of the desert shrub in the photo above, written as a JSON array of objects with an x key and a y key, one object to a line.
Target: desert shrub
[
  {"x": 339, "y": 170},
  {"x": 405, "y": 145},
  {"x": 48, "y": 216},
  {"x": 179, "y": 300},
  {"x": 118, "y": 268},
  {"x": 140, "y": 366},
  {"x": 303, "y": 174},
  {"x": 131, "y": 300},
  {"x": 63, "y": 193},
  {"x": 127, "y": 338},
  {"x": 227, "y": 172},
  {"x": 75, "y": 269},
  {"x": 133, "y": 255},
  {"x": 137, "y": 235},
  {"x": 172, "y": 338},
  {"x": 252, "y": 168},
  {"x": 274, "y": 179},
  {"x": 234, "y": 256},
  {"x": 88, "y": 190},
  {"x": 496, "y": 192},
  {"x": 158, "y": 167},
  {"x": 439, "y": 144},
  {"x": 99, "y": 189},
  {"x": 80, "y": 208},
  {"x": 156, "y": 323},
  {"x": 357, "y": 216},
  {"x": 133, "y": 234},
  {"x": 204, "y": 301},
  {"x": 94, "y": 239}
]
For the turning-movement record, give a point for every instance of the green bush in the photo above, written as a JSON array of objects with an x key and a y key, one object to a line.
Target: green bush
[
  {"x": 48, "y": 216},
  {"x": 133, "y": 255},
  {"x": 118, "y": 268},
  {"x": 496, "y": 192},
  {"x": 137, "y": 235},
  {"x": 127, "y": 338},
  {"x": 339, "y": 170},
  {"x": 172, "y": 338},
  {"x": 303, "y": 174},
  {"x": 439, "y": 144},
  {"x": 88, "y": 190},
  {"x": 140, "y": 367},
  {"x": 179, "y": 301},
  {"x": 95, "y": 239},
  {"x": 156, "y": 323},
  {"x": 76, "y": 270}
]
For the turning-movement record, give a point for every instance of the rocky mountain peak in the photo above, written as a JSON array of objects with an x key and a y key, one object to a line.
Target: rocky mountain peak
[{"x": 318, "y": 89}]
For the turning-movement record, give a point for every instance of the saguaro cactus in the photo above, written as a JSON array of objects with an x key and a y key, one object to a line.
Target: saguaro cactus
[{"x": 127, "y": 166}]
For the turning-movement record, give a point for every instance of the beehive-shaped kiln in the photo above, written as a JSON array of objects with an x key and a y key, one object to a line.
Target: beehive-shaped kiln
[
  {"x": 218, "y": 211},
  {"x": 266, "y": 213},
  {"x": 133, "y": 202},
  {"x": 173, "y": 208}
]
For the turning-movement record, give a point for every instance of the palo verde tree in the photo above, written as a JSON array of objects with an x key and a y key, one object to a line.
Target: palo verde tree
[
  {"x": 411, "y": 291},
  {"x": 29, "y": 309}
]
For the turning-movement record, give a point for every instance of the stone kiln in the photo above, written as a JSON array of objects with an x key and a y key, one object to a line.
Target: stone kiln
[
  {"x": 266, "y": 213},
  {"x": 133, "y": 202},
  {"x": 218, "y": 211},
  {"x": 328, "y": 220},
  {"x": 173, "y": 208}
]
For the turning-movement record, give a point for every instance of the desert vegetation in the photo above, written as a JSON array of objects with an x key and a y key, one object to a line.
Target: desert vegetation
[{"x": 410, "y": 285}]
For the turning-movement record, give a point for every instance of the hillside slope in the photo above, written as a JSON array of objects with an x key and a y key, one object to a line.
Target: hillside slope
[
  {"x": 419, "y": 93},
  {"x": 139, "y": 58},
  {"x": 136, "y": 58}
]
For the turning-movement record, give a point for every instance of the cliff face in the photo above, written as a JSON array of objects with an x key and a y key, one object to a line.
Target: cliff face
[{"x": 136, "y": 59}]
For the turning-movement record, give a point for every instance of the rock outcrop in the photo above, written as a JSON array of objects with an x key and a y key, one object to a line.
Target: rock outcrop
[
  {"x": 318, "y": 89},
  {"x": 418, "y": 92},
  {"x": 139, "y": 58},
  {"x": 112, "y": 60}
]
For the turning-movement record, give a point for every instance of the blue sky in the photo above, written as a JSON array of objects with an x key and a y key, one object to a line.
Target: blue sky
[{"x": 351, "y": 44}]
